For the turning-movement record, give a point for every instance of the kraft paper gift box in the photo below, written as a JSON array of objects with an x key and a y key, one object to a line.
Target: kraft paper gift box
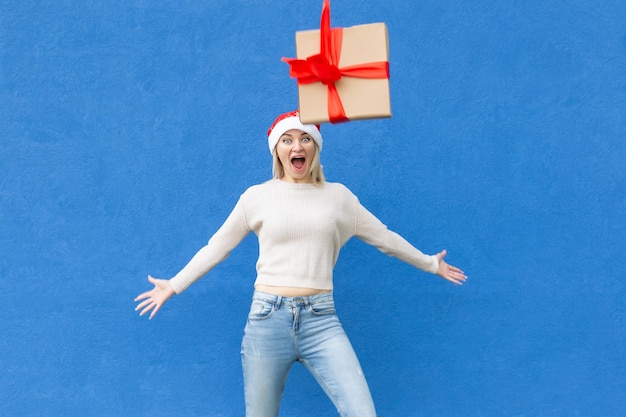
[{"x": 355, "y": 63}]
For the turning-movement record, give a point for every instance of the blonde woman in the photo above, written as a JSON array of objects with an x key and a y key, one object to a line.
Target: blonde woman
[{"x": 301, "y": 222}]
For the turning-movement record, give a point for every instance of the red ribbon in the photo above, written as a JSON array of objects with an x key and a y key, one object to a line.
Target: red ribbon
[{"x": 324, "y": 67}]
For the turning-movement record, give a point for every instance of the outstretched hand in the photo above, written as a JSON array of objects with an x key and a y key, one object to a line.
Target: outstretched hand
[
  {"x": 449, "y": 272},
  {"x": 155, "y": 298}
]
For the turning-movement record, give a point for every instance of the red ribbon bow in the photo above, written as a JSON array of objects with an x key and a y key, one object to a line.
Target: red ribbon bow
[{"x": 324, "y": 67}]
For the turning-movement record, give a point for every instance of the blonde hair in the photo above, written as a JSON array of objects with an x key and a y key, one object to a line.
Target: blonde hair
[{"x": 315, "y": 171}]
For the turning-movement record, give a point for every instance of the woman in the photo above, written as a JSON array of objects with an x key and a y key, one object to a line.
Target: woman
[{"x": 301, "y": 223}]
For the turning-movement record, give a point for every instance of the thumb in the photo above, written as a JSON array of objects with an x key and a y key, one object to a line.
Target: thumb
[{"x": 442, "y": 254}]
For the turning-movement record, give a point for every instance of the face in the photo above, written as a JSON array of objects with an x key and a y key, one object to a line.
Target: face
[{"x": 295, "y": 150}]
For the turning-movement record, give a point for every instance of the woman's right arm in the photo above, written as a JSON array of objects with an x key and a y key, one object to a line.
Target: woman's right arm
[
  {"x": 154, "y": 299},
  {"x": 229, "y": 235}
]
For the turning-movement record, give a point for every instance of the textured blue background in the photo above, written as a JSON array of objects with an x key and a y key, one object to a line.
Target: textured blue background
[{"x": 129, "y": 128}]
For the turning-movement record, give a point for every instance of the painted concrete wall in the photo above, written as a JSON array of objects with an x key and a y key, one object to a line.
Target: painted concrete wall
[{"x": 129, "y": 128}]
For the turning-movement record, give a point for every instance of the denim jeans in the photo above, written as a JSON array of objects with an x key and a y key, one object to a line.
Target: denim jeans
[{"x": 284, "y": 330}]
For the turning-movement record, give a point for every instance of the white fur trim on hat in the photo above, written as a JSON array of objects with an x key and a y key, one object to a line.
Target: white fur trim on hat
[{"x": 289, "y": 121}]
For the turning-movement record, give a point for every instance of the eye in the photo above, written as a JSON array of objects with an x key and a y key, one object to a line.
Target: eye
[
  {"x": 286, "y": 140},
  {"x": 306, "y": 139}
]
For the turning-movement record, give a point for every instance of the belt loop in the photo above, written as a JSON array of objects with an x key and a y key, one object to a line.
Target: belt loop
[{"x": 279, "y": 301}]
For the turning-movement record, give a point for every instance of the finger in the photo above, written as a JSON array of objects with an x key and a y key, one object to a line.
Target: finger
[
  {"x": 157, "y": 308},
  {"x": 457, "y": 273},
  {"x": 454, "y": 277},
  {"x": 148, "y": 308},
  {"x": 454, "y": 268},
  {"x": 459, "y": 279},
  {"x": 143, "y": 295},
  {"x": 143, "y": 304}
]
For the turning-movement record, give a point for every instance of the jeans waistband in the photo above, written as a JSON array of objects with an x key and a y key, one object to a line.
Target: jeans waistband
[{"x": 278, "y": 300}]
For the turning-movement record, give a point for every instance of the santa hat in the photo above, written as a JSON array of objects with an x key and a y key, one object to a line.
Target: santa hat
[{"x": 288, "y": 121}]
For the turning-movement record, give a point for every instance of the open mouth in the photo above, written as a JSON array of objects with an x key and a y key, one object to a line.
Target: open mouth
[{"x": 298, "y": 163}]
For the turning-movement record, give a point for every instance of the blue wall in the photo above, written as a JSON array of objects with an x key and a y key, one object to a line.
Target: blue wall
[{"x": 128, "y": 129}]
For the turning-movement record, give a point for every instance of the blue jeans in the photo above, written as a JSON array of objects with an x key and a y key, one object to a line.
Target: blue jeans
[{"x": 284, "y": 330}]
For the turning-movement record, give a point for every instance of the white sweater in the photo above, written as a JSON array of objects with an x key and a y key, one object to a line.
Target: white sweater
[{"x": 300, "y": 228}]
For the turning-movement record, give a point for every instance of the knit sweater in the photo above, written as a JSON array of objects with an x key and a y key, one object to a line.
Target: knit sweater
[{"x": 301, "y": 228}]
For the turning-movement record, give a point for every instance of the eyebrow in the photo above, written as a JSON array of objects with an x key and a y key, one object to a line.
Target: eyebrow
[{"x": 290, "y": 135}]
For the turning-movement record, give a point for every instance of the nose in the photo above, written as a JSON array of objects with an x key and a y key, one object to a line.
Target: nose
[{"x": 297, "y": 144}]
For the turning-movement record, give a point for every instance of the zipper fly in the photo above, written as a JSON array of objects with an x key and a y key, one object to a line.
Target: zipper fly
[{"x": 295, "y": 315}]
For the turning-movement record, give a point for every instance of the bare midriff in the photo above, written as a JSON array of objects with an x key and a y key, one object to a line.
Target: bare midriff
[{"x": 289, "y": 291}]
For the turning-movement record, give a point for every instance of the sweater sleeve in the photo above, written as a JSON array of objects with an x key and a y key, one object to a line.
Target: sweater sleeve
[
  {"x": 229, "y": 235},
  {"x": 372, "y": 231}
]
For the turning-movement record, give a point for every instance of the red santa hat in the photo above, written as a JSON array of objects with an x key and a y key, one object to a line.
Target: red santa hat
[{"x": 288, "y": 121}]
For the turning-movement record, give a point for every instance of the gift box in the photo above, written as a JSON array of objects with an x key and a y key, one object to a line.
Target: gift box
[{"x": 342, "y": 73}]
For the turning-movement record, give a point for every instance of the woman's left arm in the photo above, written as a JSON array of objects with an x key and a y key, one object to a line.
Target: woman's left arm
[
  {"x": 449, "y": 272},
  {"x": 372, "y": 231}
]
